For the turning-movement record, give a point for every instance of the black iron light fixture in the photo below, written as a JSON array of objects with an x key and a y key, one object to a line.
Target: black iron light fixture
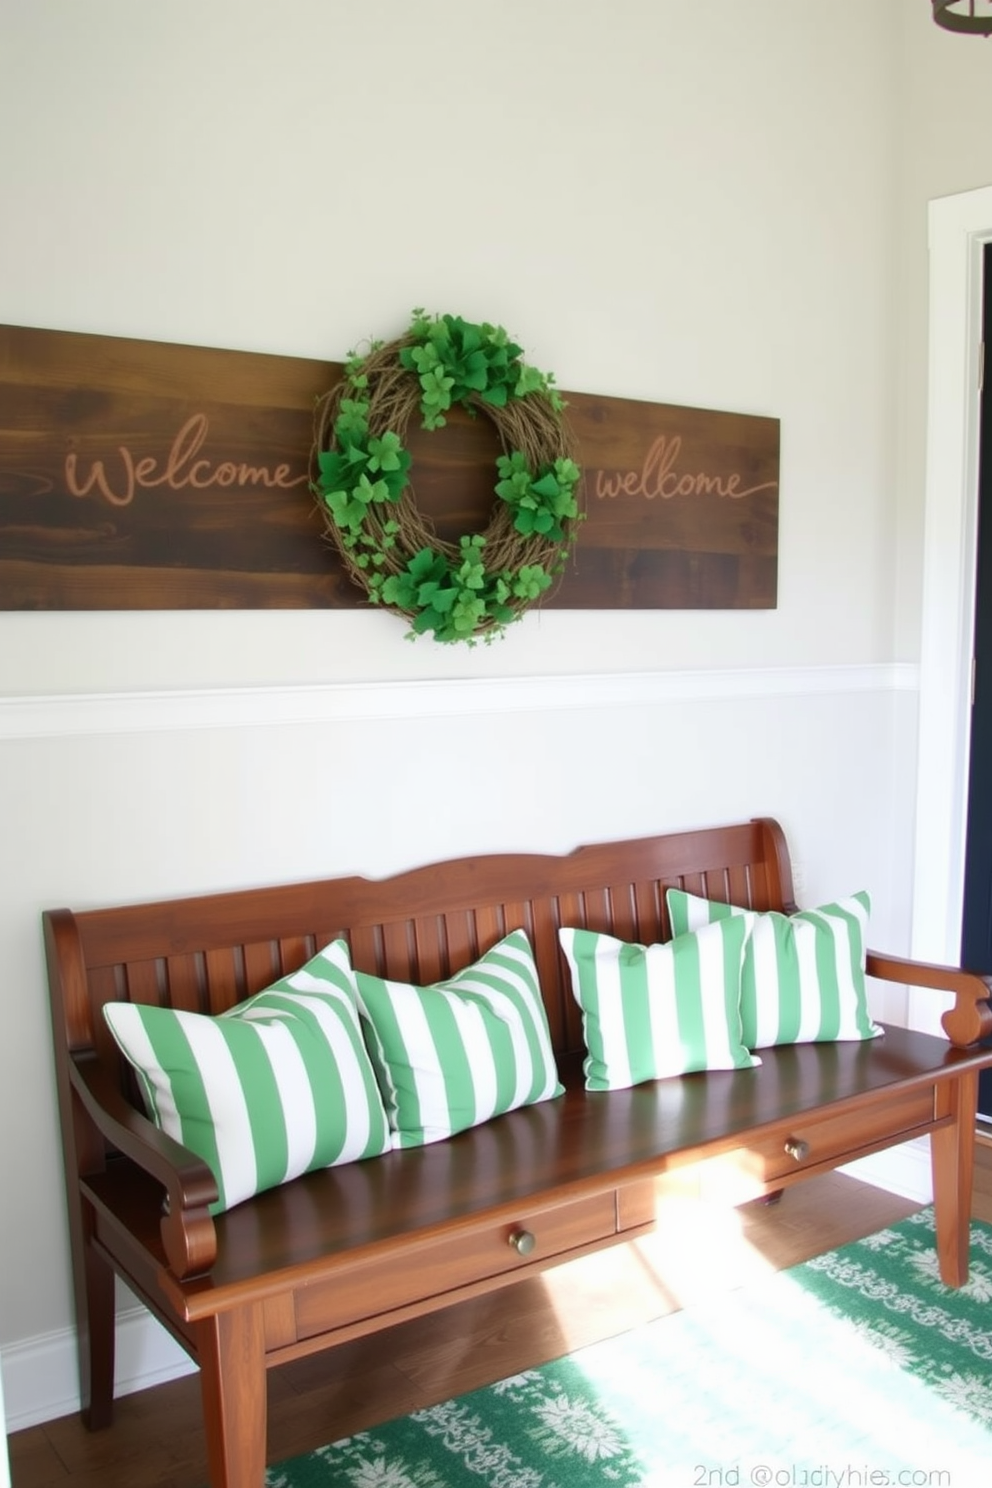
[{"x": 973, "y": 16}]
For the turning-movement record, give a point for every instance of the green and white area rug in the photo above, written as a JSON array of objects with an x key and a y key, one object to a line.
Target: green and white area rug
[{"x": 856, "y": 1368}]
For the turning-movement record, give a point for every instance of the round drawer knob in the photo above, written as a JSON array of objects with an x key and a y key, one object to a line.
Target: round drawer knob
[
  {"x": 796, "y": 1148},
  {"x": 522, "y": 1241}
]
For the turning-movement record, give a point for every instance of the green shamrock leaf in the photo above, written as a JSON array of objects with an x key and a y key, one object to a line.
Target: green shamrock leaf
[
  {"x": 400, "y": 590},
  {"x": 429, "y": 620},
  {"x": 568, "y": 472},
  {"x": 470, "y": 572},
  {"x": 351, "y": 423},
  {"x": 422, "y": 564},
  {"x": 384, "y": 453},
  {"x": 336, "y": 471},
  {"x": 348, "y": 514},
  {"x": 516, "y": 477},
  {"x": 368, "y": 491},
  {"x": 529, "y": 380},
  {"x": 529, "y": 521},
  {"x": 435, "y": 397},
  {"x": 388, "y": 457},
  {"x": 531, "y": 581},
  {"x": 545, "y": 486},
  {"x": 467, "y": 613},
  {"x": 421, "y": 359}
]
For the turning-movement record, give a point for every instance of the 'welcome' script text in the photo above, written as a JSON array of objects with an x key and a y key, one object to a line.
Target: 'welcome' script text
[
  {"x": 182, "y": 468},
  {"x": 659, "y": 478}
]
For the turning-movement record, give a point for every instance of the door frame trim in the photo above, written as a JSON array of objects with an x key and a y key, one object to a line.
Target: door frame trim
[{"x": 959, "y": 228}]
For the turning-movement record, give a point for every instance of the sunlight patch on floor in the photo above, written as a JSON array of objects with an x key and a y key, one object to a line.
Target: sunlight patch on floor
[{"x": 698, "y": 1250}]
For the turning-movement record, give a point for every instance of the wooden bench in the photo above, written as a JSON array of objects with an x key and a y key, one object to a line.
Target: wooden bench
[{"x": 351, "y": 1249}]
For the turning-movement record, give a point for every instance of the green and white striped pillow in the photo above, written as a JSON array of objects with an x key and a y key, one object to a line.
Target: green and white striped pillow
[
  {"x": 453, "y": 1055},
  {"x": 276, "y": 1086},
  {"x": 804, "y": 974},
  {"x": 652, "y": 1011}
]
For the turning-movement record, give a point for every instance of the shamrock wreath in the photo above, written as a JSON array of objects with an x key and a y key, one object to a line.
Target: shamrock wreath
[{"x": 360, "y": 472}]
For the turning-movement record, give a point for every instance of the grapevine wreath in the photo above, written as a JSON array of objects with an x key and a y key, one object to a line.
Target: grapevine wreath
[{"x": 360, "y": 471}]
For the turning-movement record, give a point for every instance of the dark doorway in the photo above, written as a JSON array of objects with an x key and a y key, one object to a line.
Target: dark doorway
[{"x": 976, "y": 927}]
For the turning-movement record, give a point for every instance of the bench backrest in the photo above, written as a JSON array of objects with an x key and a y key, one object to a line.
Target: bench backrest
[{"x": 204, "y": 954}]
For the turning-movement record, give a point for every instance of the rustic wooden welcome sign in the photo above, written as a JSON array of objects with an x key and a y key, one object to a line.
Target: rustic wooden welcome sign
[{"x": 142, "y": 475}]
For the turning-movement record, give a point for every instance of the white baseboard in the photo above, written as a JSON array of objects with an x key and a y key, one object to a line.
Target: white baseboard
[
  {"x": 904, "y": 1170},
  {"x": 40, "y": 1379}
]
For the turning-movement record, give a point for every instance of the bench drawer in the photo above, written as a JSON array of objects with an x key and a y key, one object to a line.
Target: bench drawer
[
  {"x": 437, "y": 1267},
  {"x": 817, "y": 1139},
  {"x": 816, "y": 1142},
  {"x": 813, "y": 1144}
]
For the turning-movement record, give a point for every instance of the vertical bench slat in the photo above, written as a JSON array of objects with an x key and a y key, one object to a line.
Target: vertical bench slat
[
  {"x": 324, "y": 937},
  {"x": 460, "y": 942},
  {"x": 714, "y": 885},
  {"x": 145, "y": 982},
  {"x": 652, "y": 916},
  {"x": 739, "y": 890},
  {"x": 365, "y": 942},
  {"x": 186, "y": 983},
  {"x": 225, "y": 979},
  {"x": 490, "y": 926},
  {"x": 294, "y": 952},
  {"x": 399, "y": 951},
  {"x": 430, "y": 939},
  {"x": 261, "y": 966},
  {"x": 620, "y": 911}
]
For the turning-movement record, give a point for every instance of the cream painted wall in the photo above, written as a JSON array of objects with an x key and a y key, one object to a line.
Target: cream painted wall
[
  {"x": 702, "y": 214},
  {"x": 657, "y": 209}
]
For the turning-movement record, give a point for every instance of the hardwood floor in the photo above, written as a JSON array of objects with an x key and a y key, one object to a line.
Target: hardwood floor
[{"x": 157, "y": 1437}]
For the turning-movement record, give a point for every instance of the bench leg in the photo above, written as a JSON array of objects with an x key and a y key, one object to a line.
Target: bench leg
[
  {"x": 96, "y": 1325},
  {"x": 231, "y": 1349},
  {"x": 952, "y": 1157}
]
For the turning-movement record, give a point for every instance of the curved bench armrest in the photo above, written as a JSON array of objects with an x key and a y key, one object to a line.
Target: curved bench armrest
[
  {"x": 970, "y": 1019},
  {"x": 188, "y": 1232}
]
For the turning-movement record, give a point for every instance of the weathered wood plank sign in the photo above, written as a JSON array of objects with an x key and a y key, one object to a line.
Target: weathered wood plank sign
[{"x": 144, "y": 475}]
